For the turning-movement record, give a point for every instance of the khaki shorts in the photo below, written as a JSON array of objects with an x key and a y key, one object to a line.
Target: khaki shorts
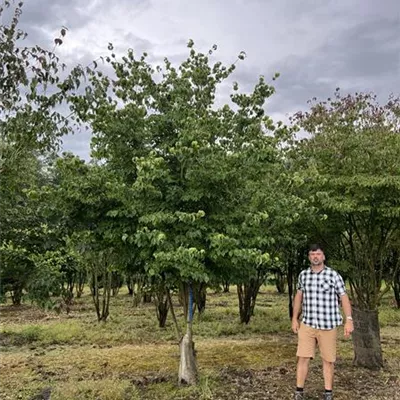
[{"x": 309, "y": 337}]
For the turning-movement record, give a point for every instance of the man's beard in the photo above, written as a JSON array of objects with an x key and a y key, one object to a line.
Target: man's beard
[{"x": 316, "y": 262}]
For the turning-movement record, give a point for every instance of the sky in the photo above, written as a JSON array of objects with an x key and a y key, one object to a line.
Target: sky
[{"x": 315, "y": 45}]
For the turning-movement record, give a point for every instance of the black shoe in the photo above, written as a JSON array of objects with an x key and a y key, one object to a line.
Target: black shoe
[
  {"x": 328, "y": 396},
  {"x": 299, "y": 396}
]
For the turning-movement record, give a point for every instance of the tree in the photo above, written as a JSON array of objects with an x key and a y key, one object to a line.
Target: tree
[
  {"x": 189, "y": 164},
  {"x": 83, "y": 201},
  {"x": 31, "y": 123},
  {"x": 31, "y": 88},
  {"x": 47, "y": 286},
  {"x": 351, "y": 169},
  {"x": 22, "y": 228}
]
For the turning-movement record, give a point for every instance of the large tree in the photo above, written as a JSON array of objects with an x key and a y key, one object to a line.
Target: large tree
[
  {"x": 31, "y": 124},
  {"x": 194, "y": 169},
  {"x": 351, "y": 168}
]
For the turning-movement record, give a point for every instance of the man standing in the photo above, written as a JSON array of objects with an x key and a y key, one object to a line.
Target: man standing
[{"x": 320, "y": 289}]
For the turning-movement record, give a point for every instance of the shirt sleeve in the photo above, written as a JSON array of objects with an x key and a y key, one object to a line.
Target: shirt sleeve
[
  {"x": 300, "y": 283},
  {"x": 340, "y": 286}
]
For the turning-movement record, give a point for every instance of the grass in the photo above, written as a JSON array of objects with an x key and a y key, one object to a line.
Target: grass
[
  {"x": 107, "y": 389},
  {"x": 129, "y": 357},
  {"x": 139, "y": 325}
]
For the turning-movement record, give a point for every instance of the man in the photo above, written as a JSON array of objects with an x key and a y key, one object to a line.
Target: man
[{"x": 320, "y": 289}]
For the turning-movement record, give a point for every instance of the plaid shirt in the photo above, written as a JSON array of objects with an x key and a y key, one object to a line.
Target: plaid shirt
[{"x": 321, "y": 294}]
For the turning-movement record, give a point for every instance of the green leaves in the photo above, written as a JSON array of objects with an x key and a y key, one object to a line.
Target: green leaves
[
  {"x": 190, "y": 168},
  {"x": 187, "y": 262},
  {"x": 351, "y": 165}
]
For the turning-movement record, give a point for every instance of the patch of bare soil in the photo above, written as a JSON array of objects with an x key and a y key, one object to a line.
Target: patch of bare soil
[
  {"x": 23, "y": 314},
  {"x": 263, "y": 384},
  {"x": 278, "y": 383}
]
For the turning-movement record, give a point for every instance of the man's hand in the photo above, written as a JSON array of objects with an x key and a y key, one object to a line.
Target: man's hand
[
  {"x": 295, "y": 325},
  {"x": 348, "y": 328}
]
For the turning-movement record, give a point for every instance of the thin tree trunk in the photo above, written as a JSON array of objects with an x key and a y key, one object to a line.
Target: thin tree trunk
[
  {"x": 183, "y": 296},
  {"x": 16, "y": 296},
  {"x": 68, "y": 298},
  {"x": 147, "y": 297},
  {"x": 226, "y": 286},
  {"x": 200, "y": 297},
  {"x": 162, "y": 306},
  {"x": 130, "y": 285},
  {"x": 137, "y": 296},
  {"x": 396, "y": 291},
  {"x": 290, "y": 280},
  {"x": 396, "y": 286},
  {"x": 247, "y": 294},
  {"x": 106, "y": 296},
  {"x": 95, "y": 293},
  {"x": 188, "y": 364},
  {"x": 80, "y": 283},
  {"x": 366, "y": 339},
  {"x": 116, "y": 282},
  {"x": 177, "y": 327},
  {"x": 101, "y": 302},
  {"x": 280, "y": 281}
]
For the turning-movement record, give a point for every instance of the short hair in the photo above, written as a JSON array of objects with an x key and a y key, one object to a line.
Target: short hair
[{"x": 315, "y": 247}]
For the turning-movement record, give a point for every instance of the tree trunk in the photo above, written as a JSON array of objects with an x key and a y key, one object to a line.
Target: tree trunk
[
  {"x": 130, "y": 285},
  {"x": 101, "y": 300},
  {"x": 226, "y": 286},
  {"x": 183, "y": 298},
  {"x": 247, "y": 294},
  {"x": 68, "y": 299},
  {"x": 184, "y": 301},
  {"x": 162, "y": 305},
  {"x": 280, "y": 281},
  {"x": 396, "y": 291},
  {"x": 188, "y": 365},
  {"x": 396, "y": 288},
  {"x": 137, "y": 295},
  {"x": 290, "y": 281},
  {"x": 200, "y": 297},
  {"x": 366, "y": 339},
  {"x": 171, "y": 306},
  {"x": 94, "y": 288},
  {"x": 80, "y": 284},
  {"x": 147, "y": 297},
  {"x": 70, "y": 283},
  {"x": 16, "y": 296},
  {"x": 106, "y": 296},
  {"x": 116, "y": 283}
]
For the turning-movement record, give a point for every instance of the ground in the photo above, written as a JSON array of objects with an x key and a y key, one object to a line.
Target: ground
[{"x": 58, "y": 357}]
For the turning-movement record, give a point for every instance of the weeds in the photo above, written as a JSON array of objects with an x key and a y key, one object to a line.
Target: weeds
[{"x": 129, "y": 357}]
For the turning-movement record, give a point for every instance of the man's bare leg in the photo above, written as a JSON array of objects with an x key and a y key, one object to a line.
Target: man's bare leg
[
  {"x": 328, "y": 369},
  {"x": 302, "y": 371}
]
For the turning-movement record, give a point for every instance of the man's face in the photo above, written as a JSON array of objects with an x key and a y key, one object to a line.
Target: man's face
[{"x": 316, "y": 257}]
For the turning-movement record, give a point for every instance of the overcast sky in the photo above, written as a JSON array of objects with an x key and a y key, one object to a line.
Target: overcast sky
[{"x": 316, "y": 45}]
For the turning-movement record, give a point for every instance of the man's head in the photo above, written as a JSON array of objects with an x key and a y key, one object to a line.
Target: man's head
[{"x": 316, "y": 255}]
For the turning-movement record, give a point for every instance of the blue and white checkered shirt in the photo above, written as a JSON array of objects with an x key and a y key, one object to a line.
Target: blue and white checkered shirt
[{"x": 321, "y": 294}]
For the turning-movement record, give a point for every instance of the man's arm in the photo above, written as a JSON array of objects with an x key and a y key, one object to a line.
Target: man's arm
[
  {"x": 348, "y": 326},
  {"x": 298, "y": 300}
]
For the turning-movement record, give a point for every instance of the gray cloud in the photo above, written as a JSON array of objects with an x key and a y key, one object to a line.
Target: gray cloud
[
  {"x": 78, "y": 143},
  {"x": 315, "y": 45},
  {"x": 365, "y": 57},
  {"x": 43, "y": 19},
  {"x": 49, "y": 14}
]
